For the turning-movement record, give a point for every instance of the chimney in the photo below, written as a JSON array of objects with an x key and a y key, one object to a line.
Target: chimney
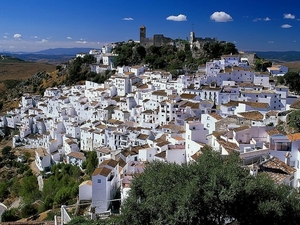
[{"x": 287, "y": 156}]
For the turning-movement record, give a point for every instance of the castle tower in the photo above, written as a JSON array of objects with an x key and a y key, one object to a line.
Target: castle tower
[{"x": 142, "y": 33}]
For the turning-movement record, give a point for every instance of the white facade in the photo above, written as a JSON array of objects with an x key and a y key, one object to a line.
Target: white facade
[{"x": 85, "y": 190}]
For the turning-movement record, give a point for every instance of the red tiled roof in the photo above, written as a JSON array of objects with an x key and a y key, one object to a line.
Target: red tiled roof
[{"x": 293, "y": 137}]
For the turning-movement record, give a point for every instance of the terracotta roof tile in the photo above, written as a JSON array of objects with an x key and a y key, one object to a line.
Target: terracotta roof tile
[
  {"x": 196, "y": 155},
  {"x": 77, "y": 155},
  {"x": 295, "y": 104},
  {"x": 252, "y": 115},
  {"x": 109, "y": 162},
  {"x": 277, "y": 169},
  {"x": 101, "y": 171},
  {"x": 229, "y": 146},
  {"x": 216, "y": 116},
  {"x": 87, "y": 182},
  {"x": 273, "y": 132},
  {"x": 293, "y": 137},
  {"x": 237, "y": 129},
  {"x": 161, "y": 155}
]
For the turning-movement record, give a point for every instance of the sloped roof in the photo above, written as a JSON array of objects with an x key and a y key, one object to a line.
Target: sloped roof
[
  {"x": 77, "y": 155},
  {"x": 161, "y": 155},
  {"x": 237, "y": 129},
  {"x": 295, "y": 104},
  {"x": 109, "y": 162},
  {"x": 87, "y": 182},
  {"x": 273, "y": 132},
  {"x": 216, "y": 116},
  {"x": 188, "y": 96},
  {"x": 229, "y": 146},
  {"x": 277, "y": 169},
  {"x": 293, "y": 137},
  {"x": 254, "y": 105},
  {"x": 196, "y": 155},
  {"x": 252, "y": 115},
  {"x": 104, "y": 171}
]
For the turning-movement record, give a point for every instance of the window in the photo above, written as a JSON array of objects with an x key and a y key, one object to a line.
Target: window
[{"x": 99, "y": 181}]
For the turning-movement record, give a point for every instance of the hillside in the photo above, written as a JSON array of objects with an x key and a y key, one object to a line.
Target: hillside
[
  {"x": 15, "y": 68},
  {"x": 278, "y": 57},
  {"x": 293, "y": 66}
]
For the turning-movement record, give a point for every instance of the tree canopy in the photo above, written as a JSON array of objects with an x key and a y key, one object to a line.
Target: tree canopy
[
  {"x": 292, "y": 80},
  {"x": 213, "y": 190},
  {"x": 169, "y": 57}
]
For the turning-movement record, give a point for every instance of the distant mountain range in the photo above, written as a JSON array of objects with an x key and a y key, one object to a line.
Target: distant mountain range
[
  {"x": 59, "y": 55},
  {"x": 287, "y": 56},
  {"x": 64, "y": 51},
  {"x": 52, "y": 55}
]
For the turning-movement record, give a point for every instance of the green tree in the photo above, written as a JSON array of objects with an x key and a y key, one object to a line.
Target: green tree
[
  {"x": 292, "y": 79},
  {"x": 10, "y": 215},
  {"x": 62, "y": 196},
  {"x": 4, "y": 191},
  {"x": 212, "y": 190},
  {"x": 91, "y": 162},
  {"x": 28, "y": 210},
  {"x": 29, "y": 189},
  {"x": 6, "y": 150},
  {"x": 294, "y": 120}
]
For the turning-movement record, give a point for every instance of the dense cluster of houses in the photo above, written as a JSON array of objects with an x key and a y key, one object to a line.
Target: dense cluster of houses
[{"x": 138, "y": 116}]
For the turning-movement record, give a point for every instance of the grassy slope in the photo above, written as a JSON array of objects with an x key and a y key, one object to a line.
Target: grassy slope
[
  {"x": 16, "y": 69},
  {"x": 293, "y": 66},
  {"x": 12, "y": 68}
]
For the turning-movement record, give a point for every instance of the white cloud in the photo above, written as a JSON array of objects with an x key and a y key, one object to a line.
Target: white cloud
[
  {"x": 178, "y": 18},
  {"x": 35, "y": 37},
  {"x": 221, "y": 17},
  {"x": 69, "y": 38},
  {"x": 43, "y": 41},
  {"x": 17, "y": 36},
  {"x": 286, "y": 26},
  {"x": 81, "y": 42},
  {"x": 267, "y": 19},
  {"x": 5, "y": 36},
  {"x": 127, "y": 18},
  {"x": 288, "y": 16},
  {"x": 271, "y": 42}
]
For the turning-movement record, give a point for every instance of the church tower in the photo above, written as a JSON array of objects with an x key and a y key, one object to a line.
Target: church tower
[
  {"x": 192, "y": 37},
  {"x": 142, "y": 33}
]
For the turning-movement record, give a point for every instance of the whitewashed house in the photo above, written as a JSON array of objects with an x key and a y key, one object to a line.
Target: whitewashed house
[
  {"x": 195, "y": 139},
  {"x": 76, "y": 158},
  {"x": 105, "y": 182},
  {"x": 278, "y": 70},
  {"x": 42, "y": 159},
  {"x": 85, "y": 191}
]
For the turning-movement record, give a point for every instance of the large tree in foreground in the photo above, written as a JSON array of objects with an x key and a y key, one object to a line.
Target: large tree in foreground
[{"x": 213, "y": 190}]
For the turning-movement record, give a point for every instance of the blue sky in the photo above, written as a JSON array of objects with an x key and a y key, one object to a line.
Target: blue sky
[{"x": 33, "y": 25}]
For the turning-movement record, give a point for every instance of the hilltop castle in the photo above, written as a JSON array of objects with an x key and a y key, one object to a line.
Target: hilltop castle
[
  {"x": 199, "y": 42},
  {"x": 160, "y": 40},
  {"x": 157, "y": 40}
]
